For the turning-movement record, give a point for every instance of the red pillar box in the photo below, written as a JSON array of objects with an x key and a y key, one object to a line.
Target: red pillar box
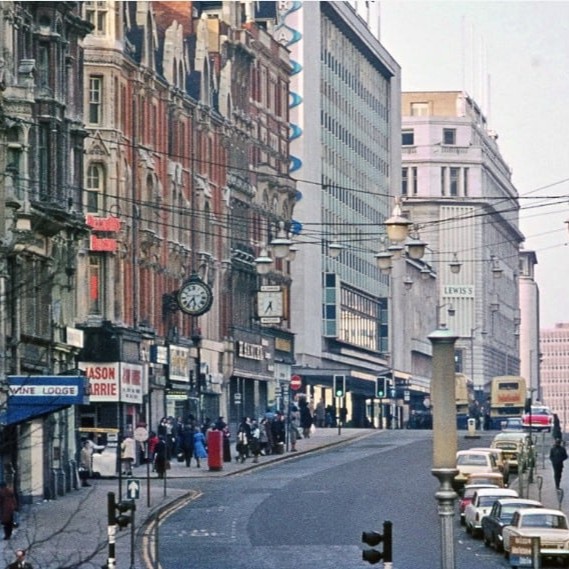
[{"x": 215, "y": 450}]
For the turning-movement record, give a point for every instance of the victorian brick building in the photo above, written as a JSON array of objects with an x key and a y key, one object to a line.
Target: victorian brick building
[{"x": 186, "y": 182}]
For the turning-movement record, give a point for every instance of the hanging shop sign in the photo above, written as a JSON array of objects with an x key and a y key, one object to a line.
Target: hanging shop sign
[
  {"x": 179, "y": 363},
  {"x": 114, "y": 382}
]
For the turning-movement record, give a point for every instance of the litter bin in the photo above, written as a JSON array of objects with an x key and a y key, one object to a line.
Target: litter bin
[
  {"x": 471, "y": 426},
  {"x": 215, "y": 450}
]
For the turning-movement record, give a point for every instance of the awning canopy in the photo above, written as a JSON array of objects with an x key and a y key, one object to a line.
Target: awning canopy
[{"x": 33, "y": 396}]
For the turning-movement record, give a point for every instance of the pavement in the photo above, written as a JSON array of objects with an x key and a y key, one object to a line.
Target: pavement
[{"x": 71, "y": 531}]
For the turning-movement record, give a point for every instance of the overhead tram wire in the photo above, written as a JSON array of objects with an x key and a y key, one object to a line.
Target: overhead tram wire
[{"x": 287, "y": 176}]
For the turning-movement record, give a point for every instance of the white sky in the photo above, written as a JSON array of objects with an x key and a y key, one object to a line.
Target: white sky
[{"x": 513, "y": 58}]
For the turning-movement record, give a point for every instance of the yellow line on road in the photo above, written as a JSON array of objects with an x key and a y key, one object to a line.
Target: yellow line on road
[{"x": 150, "y": 533}]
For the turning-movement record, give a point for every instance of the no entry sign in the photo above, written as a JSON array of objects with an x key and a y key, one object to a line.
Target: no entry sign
[{"x": 295, "y": 382}]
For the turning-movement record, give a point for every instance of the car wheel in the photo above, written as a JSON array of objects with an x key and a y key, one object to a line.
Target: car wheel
[
  {"x": 461, "y": 521},
  {"x": 486, "y": 541},
  {"x": 468, "y": 528}
]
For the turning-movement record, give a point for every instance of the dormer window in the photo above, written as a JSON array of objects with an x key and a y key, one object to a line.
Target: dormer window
[{"x": 96, "y": 13}]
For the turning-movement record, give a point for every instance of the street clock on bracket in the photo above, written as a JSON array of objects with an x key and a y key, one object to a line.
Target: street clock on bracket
[
  {"x": 195, "y": 297},
  {"x": 270, "y": 304}
]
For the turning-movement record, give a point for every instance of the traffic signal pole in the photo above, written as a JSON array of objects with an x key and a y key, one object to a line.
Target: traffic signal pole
[
  {"x": 339, "y": 388},
  {"x": 111, "y": 530}
]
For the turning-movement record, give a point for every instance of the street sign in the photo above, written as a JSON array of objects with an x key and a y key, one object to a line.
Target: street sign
[
  {"x": 133, "y": 488},
  {"x": 140, "y": 434},
  {"x": 237, "y": 398},
  {"x": 524, "y": 551},
  {"x": 295, "y": 382}
]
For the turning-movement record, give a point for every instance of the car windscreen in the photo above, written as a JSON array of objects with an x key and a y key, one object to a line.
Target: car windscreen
[
  {"x": 485, "y": 501},
  {"x": 472, "y": 460},
  {"x": 544, "y": 521}
]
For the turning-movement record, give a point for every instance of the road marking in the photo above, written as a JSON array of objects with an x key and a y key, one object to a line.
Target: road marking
[{"x": 149, "y": 542}]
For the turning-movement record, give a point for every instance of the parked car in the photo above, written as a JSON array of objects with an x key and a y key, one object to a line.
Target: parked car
[
  {"x": 540, "y": 419},
  {"x": 501, "y": 515},
  {"x": 501, "y": 461},
  {"x": 467, "y": 495},
  {"x": 518, "y": 449},
  {"x": 549, "y": 525},
  {"x": 513, "y": 424},
  {"x": 104, "y": 464},
  {"x": 471, "y": 461},
  {"x": 480, "y": 506},
  {"x": 488, "y": 478}
]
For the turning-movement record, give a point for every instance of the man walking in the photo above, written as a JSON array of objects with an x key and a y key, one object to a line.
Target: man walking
[
  {"x": 557, "y": 455},
  {"x": 20, "y": 562}
]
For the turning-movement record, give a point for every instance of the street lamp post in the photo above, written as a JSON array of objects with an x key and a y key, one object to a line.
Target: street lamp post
[
  {"x": 444, "y": 437},
  {"x": 197, "y": 342}
]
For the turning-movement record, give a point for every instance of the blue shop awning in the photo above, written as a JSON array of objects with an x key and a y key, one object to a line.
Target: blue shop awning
[{"x": 33, "y": 396}]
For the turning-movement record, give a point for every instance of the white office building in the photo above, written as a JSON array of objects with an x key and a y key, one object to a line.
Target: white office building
[{"x": 458, "y": 188}]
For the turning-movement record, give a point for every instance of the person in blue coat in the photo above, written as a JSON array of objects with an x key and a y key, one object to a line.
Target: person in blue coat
[{"x": 199, "y": 445}]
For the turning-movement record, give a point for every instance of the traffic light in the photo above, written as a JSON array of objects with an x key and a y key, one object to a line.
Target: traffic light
[
  {"x": 120, "y": 513},
  {"x": 381, "y": 387},
  {"x": 374, "y": 538},
  {"x": 339, "y": 385}
]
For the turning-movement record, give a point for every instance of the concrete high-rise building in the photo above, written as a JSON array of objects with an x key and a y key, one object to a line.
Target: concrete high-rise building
[
  {"x": 529, "y": 334},
  {"x": 345, "y": 156},
  {"x": 458, "y": 189},
  {"x": 554, "y": 358}
]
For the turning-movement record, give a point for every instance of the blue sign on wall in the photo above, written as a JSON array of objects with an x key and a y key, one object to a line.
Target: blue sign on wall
[{"x": 34, "y": 395}]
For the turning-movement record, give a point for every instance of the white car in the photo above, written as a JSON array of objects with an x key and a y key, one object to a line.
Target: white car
[
  {"x": 481, "y": 504},
  {"x": 104, "y": 464},
  {"x": 549, "y": 525}
]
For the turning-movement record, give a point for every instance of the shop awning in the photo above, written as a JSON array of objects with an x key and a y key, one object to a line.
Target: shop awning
[{"x": 33, "y": 396}]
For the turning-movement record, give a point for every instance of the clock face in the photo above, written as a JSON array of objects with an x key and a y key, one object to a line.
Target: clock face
[
  {"x": 195, "y": 298},
  {"x": 270, "y": 304}
]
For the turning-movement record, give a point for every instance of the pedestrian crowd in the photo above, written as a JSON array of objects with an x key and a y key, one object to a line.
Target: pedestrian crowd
[{"x": 185, "y": 440}]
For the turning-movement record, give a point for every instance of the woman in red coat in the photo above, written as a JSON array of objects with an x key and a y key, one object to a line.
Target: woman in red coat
[{"x": 8, "y": 505}]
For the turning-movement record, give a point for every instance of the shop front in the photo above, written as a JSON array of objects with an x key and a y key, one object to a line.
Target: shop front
[
  {"x": 115, "y": 394},
  {"x": 40, "y": 410},
  {"x": 252, "y": 384}
]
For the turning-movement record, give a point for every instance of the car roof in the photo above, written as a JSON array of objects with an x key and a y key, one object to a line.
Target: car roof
[
  {"x": 497, "y": 492},
  {"x": 489, "y": 449},
  {"x": 514, "y": 435},
  {"x": 479, "y": 486},
  {"x": 473, "y": 451},
  {"x": 485, "y": 476},
  {"x": 528, "y": 511},
  {"x": 524, "y": 501}
]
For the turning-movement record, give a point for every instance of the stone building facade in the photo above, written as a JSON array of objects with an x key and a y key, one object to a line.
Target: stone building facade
[{"x": 42, "y": 229}]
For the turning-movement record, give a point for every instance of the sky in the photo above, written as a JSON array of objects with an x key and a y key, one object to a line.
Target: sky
[{"x": 512, "y": 57}]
